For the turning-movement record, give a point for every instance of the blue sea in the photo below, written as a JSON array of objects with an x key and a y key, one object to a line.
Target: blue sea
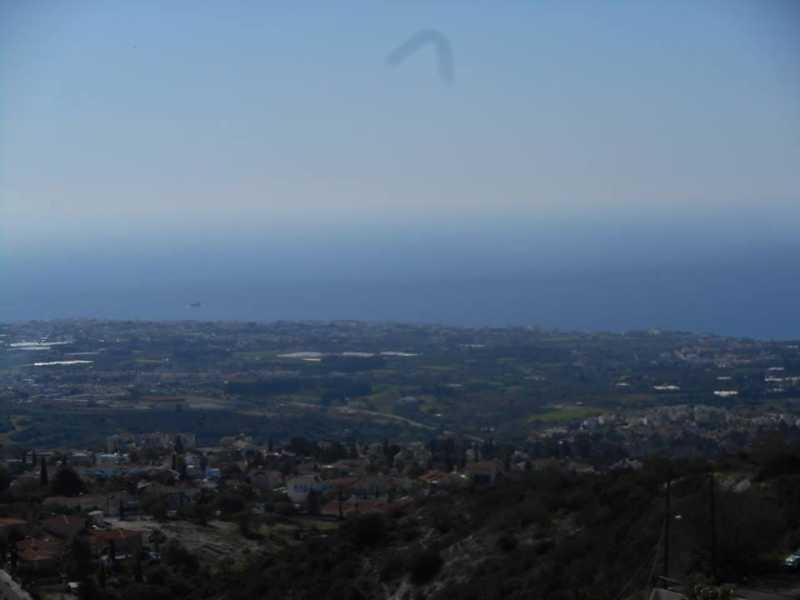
[{"x": 577, "y": 281}]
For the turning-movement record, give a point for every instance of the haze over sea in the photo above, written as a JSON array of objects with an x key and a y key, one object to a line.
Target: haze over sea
[{"x": 723, "y": 275}]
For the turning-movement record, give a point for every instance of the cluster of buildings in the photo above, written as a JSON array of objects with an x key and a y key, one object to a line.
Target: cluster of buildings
[
  {"x": 677, "y": 430},
  {"x": 137, "y": 481}
]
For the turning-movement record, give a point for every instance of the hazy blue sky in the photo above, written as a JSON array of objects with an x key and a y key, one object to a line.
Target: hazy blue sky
[{"x": 589, "y": 131}]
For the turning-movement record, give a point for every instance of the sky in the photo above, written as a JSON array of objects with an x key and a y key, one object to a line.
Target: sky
[{"x": 148, "y": 142}]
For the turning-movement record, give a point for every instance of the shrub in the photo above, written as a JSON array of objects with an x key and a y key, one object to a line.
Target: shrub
[
  {"x": 369, "y": 530},
  {"x": 423, "y": 566},
  {"x": 179, "y": 557},
  {"x": 230, "y": 503},
  {"x": 507, "y": 542},
  {"x": 392, "y": 568}
]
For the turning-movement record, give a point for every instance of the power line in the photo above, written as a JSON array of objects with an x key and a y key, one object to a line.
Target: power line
[{"x": 641, "y": 567}]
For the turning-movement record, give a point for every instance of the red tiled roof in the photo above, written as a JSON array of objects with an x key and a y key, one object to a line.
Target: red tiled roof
[
  {"x": 364, "y": 507},
  {"x": 35, "y": 549},
  {"x": 107, "y": 535},
  {"x": 433, "y": 476},
  {"x": 483, "y": 467},
  {"x": 65, "y": 520},
  {"x": 342, "y": 483}
]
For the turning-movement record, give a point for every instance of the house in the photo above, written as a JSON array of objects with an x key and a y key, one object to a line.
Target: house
[
  {"x": 434, "y": 477},
  {"x": 416, "y": 454},
  {"x": 484, "y": 472},
  {"x": 64, "y": 527},
  {"x": 307, "y": 468},
  {"x": 14, "y": 465},
  {"x": 342, "y": 486},
  {"x": 157, "y": 440},
  {"x": 11, "y": 527},
  {"x": 223, "y": 456},
  {"x": 111, "y": 459},
  {"x": 41, "y": 555},
  {"x": 266, "y": 480},
  {"x": 335, "y": 471},
  {"x": 126, "y": 543},
  {"x": 237, "y": 442},
  {"x": 81, "y": 459},
  {"x": 354, "y": 506},
  {"x": 180, "y": 499},
  {"x": 663, "y": 594},
  {"x": 346, "y": 466},
  {"x": 175, "y": 497},
  {"x": 298, "y": 488},
  {"x": 105, "y": 502},
  {"x": 371, "y": 487},
  {"x": 97, "y": 518}
]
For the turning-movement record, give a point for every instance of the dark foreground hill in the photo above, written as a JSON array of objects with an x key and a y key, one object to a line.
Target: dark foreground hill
[{"x": 549, "y": 533}]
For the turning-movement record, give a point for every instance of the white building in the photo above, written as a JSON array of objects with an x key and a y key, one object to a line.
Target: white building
[{"x": 298, "y": 488}]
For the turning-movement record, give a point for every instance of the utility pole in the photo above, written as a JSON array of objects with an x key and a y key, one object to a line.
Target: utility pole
[
  {"x": 667, "y": 519},
  {"x": 713, "y": 510}
]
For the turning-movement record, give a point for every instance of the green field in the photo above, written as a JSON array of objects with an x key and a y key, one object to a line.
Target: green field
[{"x": 564, "y": 414}]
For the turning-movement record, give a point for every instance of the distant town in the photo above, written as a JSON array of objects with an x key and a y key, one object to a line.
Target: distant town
[{"x": 139, "y": 456}]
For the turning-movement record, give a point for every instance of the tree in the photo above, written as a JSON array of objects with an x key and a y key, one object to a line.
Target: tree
[
  {"x": 448, "y": 462},
  {"x": 80, "y": 562},
  {"x": 231, "y": 503},
  {"x": 245, "y": 526},
  {"x": 701, "y": 589},
  {"x": 156, "y": 506},
  {"x": 424, "y": 565},
  {"x": 177, "y": 556},
  {"x": 201, "y": 513},
  {"x": 138, "y": 568},
  {"x": 157, "y": 538},
  {"x": 5, "y": 479},
  {"x": 87, "y": 591},
  {"x": 302, "y": 446},
  {"x": 43, "y": 477},
  {"x": 178, "y": 445},
  {"x": 368, "y": 530},
  {"x": 313, "y": 502},
  {"x": 112, "y": 552},
  {"x": 67, "y": 482}
]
